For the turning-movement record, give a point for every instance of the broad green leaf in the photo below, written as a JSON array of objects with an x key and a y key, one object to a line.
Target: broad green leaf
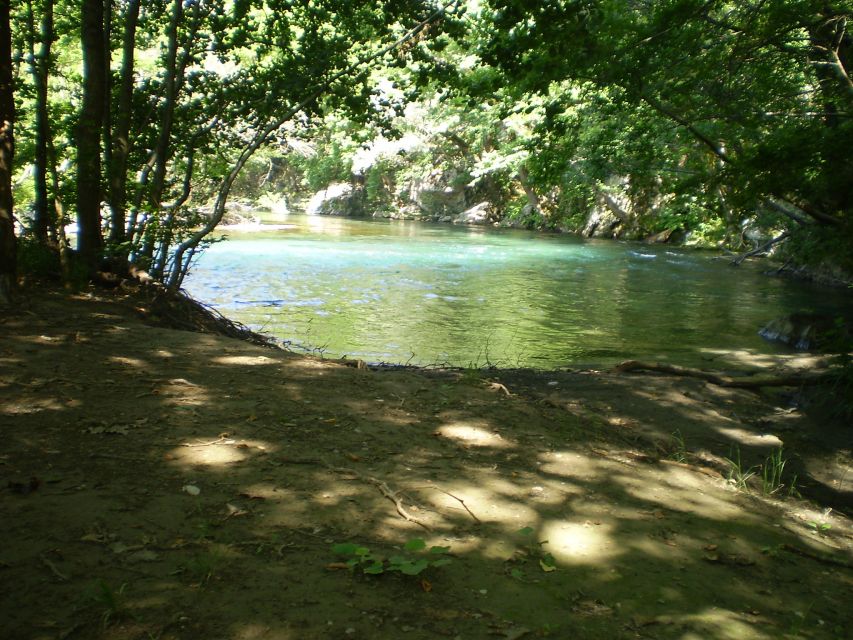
[
  {"x": 414, "y": 568},
  {"x": 415, "y": 544},
  {"x": 345, "y": 549}
]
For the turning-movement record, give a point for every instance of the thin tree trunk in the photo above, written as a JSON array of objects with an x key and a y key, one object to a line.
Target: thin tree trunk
[
  {"x": 39, "y": 69},
  {"x": 89, "y": 128},
  {"x": 161, "y": 151},
  {"x": 106, "y": 117},
  {"x": 8, "y": 246},
  {"x": 117, "y": 167}
]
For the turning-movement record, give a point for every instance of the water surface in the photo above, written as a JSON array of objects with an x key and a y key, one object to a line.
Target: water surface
[{"x": 399, "y": 292}]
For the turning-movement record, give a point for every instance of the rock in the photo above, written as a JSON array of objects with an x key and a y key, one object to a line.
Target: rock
[
  {"x": 657, "y": 238},
  {"x": 338, "y": 199},
  {"x": 602, "y": 223},
  {"x": 481, "y": 213},
  {"x": 806, "y": 331},
  {"x": 437, "y": 194}
]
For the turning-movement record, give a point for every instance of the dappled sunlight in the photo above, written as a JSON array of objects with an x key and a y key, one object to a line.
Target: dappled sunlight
[
  {"x": 130, "y": 362},
  {"x": 682, "y": 490},
  {"x": 569, "y": 464},
  {"x": 13, "y": 408},
  {"x": 578, "y": 543},
  {"x": 750, "y": 359},
  {"x": 722, "y": 624},
  {"x": 750, "y": 438},
  {"x": 472, "y": 434},
  {"x": 496, "y": 500},
  {"x": 216, "y": 452},
  {"x": 244, "y": 360},
  {"x": 214, "y": 487}
]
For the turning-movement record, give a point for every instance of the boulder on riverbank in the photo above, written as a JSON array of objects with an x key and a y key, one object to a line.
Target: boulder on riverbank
[{"x": 338, "y": 199}]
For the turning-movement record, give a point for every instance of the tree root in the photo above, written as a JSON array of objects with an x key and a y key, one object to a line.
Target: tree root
[{"x": 754, "y": 383}]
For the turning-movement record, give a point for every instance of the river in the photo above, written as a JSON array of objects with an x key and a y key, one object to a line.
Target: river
[{"x": 407, "y": 292}]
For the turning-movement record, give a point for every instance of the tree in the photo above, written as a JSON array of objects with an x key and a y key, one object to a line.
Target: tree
[
  {"x": 89, "y": 129},
  {"x": 8, "y": 268},
  {"x": 756, "y": 95}
]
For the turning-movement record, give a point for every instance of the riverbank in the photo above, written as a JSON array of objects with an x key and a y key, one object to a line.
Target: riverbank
[{"x": 175, "y": 484}]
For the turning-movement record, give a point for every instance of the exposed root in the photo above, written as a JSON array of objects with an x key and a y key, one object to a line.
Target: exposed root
[{"x": 180, "y": 311}]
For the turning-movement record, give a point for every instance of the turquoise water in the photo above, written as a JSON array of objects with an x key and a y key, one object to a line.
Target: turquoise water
[{"x": 400, "y": 292}]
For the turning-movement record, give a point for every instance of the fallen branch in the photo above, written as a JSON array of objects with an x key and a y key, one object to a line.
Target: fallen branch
[
  {"x": 385, "y": 490},
  {"x": 459, "y": 500},
  {"x": 793, "y": 380},
  {"x": 46, "y": 562},
  {"x": 497, "y": 386},
  {"x": 762, "y": 249}
]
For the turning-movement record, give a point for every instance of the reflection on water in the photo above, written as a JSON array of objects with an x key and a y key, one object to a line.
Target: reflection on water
[{"x": 403, "y": 291}]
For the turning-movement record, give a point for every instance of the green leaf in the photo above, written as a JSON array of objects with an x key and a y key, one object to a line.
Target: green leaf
[
  {"x": 414, "y": 568},
  {"x": 526, "y": 531},
  {"x": 374, "y": 568},
  {"x": 397, "y": 560},
  {"x": 362, "y": 551},
  {"x": 438, "y": 550},
  {"x": 518, "y": 574},
  {"x": 415, "y": 544},
  {"x": 345, "y": 549},
  {"x": 441, "y": 562}
]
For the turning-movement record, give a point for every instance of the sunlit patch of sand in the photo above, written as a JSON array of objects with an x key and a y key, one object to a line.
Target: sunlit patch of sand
[
  {"x": 219, "y": 454},
  {"x": 568, "y": 464},
  {"x": 130, "y": 362},
  {"x": 244, "y": 360},
  {"x": 751, "y": 359},
  {"x": 578, "y": 543},
  {"x": 472, "y": 434},
  {"x": 746, "y": 437},
  {"x": 682, "y": 490}
]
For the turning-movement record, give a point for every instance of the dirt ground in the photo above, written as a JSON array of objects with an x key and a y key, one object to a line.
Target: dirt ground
[{"x": 157, "y": 483}]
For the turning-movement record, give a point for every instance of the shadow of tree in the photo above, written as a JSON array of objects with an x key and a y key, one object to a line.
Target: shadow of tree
[{"x": 191, "y": 486}]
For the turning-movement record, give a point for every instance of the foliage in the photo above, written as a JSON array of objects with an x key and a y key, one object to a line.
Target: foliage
[
  {"x": 738, "y": 475},
  {"x": 415, "y": 561},
  {"x": 531, "y": 549}
]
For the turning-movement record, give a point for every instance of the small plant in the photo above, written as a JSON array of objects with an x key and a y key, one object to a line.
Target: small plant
[
  {"x": 678, "y": 450},
  {"x": 413, "y": 563},
  {"x": 821, "y": 527},
  {"x": 738, "y": 476},
  {"x": 111, "y": 601},
  {"x": 532, "y": 548},
  {"x": 771, "y": 473}
]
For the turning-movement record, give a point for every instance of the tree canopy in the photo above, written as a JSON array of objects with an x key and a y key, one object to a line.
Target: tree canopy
[{"x": 701, "y": 117}]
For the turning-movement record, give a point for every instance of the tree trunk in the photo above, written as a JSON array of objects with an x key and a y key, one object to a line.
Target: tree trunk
[
  {"x": 89, "y": 129},
  {"x": 117, "y": 167},
  {"x": 161, "y": 152},
  {"x": 8, "y": 255},
  {"x": 39, "y": 69}
]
